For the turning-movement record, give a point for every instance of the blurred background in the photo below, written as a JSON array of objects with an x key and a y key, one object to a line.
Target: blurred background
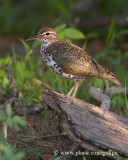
[
  {"x": 104, "y": 23},
  {"x": 99, "y": 27}
]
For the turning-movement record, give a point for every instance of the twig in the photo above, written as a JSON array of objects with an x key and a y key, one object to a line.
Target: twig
[
  {"x": 44, "y": 137},
  {"x": 104, "y": 99},
  {"x": 36, "y": 108},
  {"x": 12, "y": 101},
  {"x": 106, "y": 88},
  {"x": 116, "y": 90},
  {"x": 103, "y": 95},
  {"x": 37, "y": 81}
]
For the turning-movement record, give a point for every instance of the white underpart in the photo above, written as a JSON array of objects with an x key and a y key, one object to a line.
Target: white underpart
[
  {"x": 66, "y": 75},
  {"x": 50, "y": 61}
]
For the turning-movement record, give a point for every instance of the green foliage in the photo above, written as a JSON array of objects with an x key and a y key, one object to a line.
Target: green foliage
[
  {"x": 24, "y": 18},
  {"x": 68, "y": 33},
  {"x": 111, "y": 32},
  {"x": 6, "y": 61},
  {"x": 73, "y": 33},
  {"x": 3, "y": 80},
  {"x": 8, "y": 15},
  {"x": 22, "y": 14},
  {"x": 62, "y": 9},
  {"x": 34, "y": 152},
  {"x": 9, "y": 152},
  {"x": 12, "y": 121}
]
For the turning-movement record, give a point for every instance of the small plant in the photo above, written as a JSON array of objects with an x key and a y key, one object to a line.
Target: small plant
[{"x": 9, "y": 152}]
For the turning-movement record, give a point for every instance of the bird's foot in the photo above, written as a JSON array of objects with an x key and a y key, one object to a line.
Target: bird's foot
[{"x": 68, "y": 99}]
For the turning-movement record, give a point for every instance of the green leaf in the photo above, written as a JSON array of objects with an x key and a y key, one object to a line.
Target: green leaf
[
  {"x": 2, "y": 138},
  {"x": 2, "y": 118},
  {"x": 7, "y": 151},
  {"x": 6, "y": 61},
  {"x": 60, "y": 28},
  {"x": 19, "y": 156},
  {"x": 73, "y": 33},
  {"x": 19, "y": 120},
  {"x": 10, "y": 122},
  {"x": 25, "y": 44},
  {"x": 13, "y": 147},
  {"x": 8, "y": 110},
  {"x": 28, "y": 54},
  {"x": 23, "y": 73},
  {"x": 91, "y": 35},
  {"x": 111, "y": 35}
]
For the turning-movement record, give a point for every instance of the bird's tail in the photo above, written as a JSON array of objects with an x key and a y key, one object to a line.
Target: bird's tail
[
  {"x": 104, "y": 73},
  {"x": 111, "y": 76}
]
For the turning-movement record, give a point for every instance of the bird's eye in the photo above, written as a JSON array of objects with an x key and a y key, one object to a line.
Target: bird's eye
[{"x": 47, "y": 33}]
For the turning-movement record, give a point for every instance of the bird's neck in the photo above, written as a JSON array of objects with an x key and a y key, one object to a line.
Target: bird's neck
[{"x": 44, "y": 45}]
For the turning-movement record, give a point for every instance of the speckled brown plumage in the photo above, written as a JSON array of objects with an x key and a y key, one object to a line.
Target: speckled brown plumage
[
  {"x": 74, "y": 60},
  {"x": 69, "y": 60}
]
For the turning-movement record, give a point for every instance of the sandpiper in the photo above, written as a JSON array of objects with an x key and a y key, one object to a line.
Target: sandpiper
[{"x": 69, "y": 60}]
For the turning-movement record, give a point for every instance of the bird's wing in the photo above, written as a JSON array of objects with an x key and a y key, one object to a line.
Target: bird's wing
[{"x": 73, "y": 60}]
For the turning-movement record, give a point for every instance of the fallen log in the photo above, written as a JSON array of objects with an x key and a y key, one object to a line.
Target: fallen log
[{"x": 91, "y": 127}]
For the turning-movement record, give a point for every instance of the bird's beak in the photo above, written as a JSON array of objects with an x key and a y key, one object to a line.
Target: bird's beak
[{"x": 33, "y": 38}]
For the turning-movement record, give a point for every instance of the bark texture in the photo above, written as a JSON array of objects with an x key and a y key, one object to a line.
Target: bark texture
[{"x": 94, "y": 128}]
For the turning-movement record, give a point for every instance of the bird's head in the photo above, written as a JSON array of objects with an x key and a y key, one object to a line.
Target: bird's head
[{"x": 45, "y": 35}]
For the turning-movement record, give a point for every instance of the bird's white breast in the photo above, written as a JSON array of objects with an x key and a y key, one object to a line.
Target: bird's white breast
[{"x": 50, "y": 62}]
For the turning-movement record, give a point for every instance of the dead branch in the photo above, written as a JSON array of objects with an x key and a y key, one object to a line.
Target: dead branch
[
  {"x": 37, "y": 81},
  {"x": 103, "y": 98},
  {"x": 116, "y": 90},
  {"x": 43, "y": 137},
  {"x": 91, "y": 127},
  {"x": 35, "y": 109},
  {"x": 103, "y": 95},
  {"x": 14, "y": 102}
]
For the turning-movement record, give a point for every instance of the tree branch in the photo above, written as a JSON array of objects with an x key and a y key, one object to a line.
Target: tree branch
[{"x": 91, "y": 127}]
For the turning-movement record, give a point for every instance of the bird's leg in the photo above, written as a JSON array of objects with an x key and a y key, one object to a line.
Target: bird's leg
[
  {"x": 71, "y": 90},
  {"x": 75, "y": 90}
]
